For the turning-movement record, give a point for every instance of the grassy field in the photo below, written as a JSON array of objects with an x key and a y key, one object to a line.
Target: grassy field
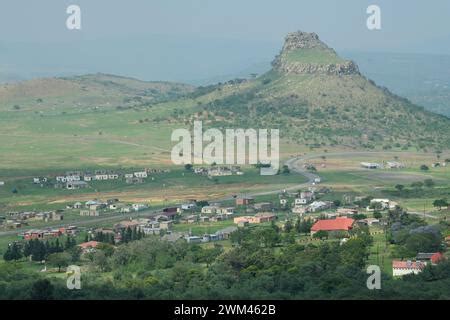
[
  {"x": 313, "y": 56},
  {"x": 380, "y": 252}
]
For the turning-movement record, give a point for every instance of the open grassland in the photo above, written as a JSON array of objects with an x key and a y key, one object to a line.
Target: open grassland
[{"x": 313, "y": 56}]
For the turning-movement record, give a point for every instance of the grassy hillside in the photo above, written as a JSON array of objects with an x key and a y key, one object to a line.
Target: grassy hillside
[
  {"x": 313, "y": 55},
  {"x": 89, "y": 91},
  {"x": 104, "y": 120}
]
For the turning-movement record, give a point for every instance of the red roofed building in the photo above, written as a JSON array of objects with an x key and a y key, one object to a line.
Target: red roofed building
[
  {"x": 436, "y": 258},
  {"x": 338, "y": 224},
  {"x": 433, "y": 257},
  {"x": 88, "y": 246},
  {"x": 401, "y": 268}
]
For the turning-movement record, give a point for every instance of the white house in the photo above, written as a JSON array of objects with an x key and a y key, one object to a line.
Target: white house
[
  {"x": 401, "y": 268},
  {"x": 209, "y": 209},
  {"x": 394, "y": 165},
  {"x": 139, "y": 206},
  {"x": 142, "y": 174},
  {"x": 101, "y": 177},
  {"x": 370, "y": 165},
  {"x": 300, "y": 201},
  {"x": 72, "y": 178},
  {"x": 226, "y": 211},
  {"x": 116, "y": 206},
  {"x": 384, "y": 203},
  {"x": 188, "y": 206},
  {"x": 319, "y": 205},
  {"x": 75, "y": 185},
  {"x": 299, "y": 209}
]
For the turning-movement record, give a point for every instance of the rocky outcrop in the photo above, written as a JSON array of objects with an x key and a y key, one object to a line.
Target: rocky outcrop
[
  {"x": 303, "y": 41},
  {"x": 345, "y": 68}
]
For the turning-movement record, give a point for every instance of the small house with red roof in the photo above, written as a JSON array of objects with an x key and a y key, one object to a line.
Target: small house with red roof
[
  {"x": 89, "y": 246},
  {"x": 401, "y": 268},
  {"x": 433, "y": 257},
  {"x": 338, "y": 224}
]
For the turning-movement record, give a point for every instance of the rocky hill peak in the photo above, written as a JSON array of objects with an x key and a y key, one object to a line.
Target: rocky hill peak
[
  {"x": 302, "y": 40},
  {"x": 305, "y": 53}
]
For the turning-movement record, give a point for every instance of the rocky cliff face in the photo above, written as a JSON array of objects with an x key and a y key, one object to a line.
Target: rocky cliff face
[
  {"x": 345, "y": 68},
  {"x": 303, "y": 41}
]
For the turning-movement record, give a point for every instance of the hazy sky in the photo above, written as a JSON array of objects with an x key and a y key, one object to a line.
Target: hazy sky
[
  {"x": 342, "y": 22},
  {"x": 229, "y": 29}
]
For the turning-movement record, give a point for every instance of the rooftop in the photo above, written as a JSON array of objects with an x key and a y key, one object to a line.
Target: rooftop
[
  {"x": 333, "y": 224},
  {"x": 396, "y": 264}
]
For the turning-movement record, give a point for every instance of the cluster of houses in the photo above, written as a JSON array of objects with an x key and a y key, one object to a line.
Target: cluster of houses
[
  {"x": 14, "y": 220},
  {"x": 218, "y": 171},
  {"x": 401, "y": 268},
  {"x": 304, "y": 202},
  {"x": 48, "y": 233},
  {"x": 387, "y": 164},
  {"x": 74, "y": 180},
  {"x": 381, "y": 204},
  {"x": 439, "y": 164},
  {"x": 260, "y": 217},
  {"x": 153, "y": 225},
  {"x": 94, "y": 208},
  {"x": 218, "y": 236}
]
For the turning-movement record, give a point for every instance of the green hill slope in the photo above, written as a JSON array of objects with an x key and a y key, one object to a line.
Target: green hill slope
[
  {"x": 88, "y": 91},
  {"x": 317, "y": 98},
  {"x": 314, "y": 97}
]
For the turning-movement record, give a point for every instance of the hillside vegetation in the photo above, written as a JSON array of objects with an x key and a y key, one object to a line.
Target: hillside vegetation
[{"x": 314, "y": 97}]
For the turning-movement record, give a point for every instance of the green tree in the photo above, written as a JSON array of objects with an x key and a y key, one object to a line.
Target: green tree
[
  {"x": 429, "y": 183},
  {"x": 288, "y": 226},
  {"x": 59, "y": 259},
  {"x": 320, "y": 234},
  {"x": 101, "y": 261},
  {"x": 107, "y": 248},
  {"x": 417, "y": 185},
  {"x": 7, "y": 256},
  {"x": 42, "y": 290},
  {"x": 439, "y": 203},
  {"x": 377, "y": 215},
  {"x": 75, "y": 253}
]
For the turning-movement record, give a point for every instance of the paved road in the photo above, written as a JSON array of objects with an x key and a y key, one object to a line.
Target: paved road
[
  {"x": 423, "y": 214},
  {"x": 295, "y": 165}
]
